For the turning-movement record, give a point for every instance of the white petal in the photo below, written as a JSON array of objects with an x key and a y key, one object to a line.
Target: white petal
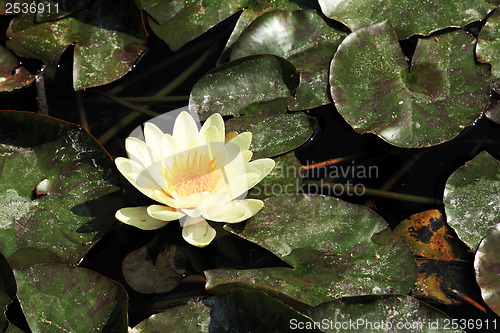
[
  {"x": 234, "y": 211},
  {"x": 164, "y": 213},
  {"x": 198, "y": 234},
  {"x": 214, "y": 199},
  {"x": 191, "y": 201},
  {"x": 247, "y": 156},
  {"x": 138, "y": 151},
  {"x": 139, "y": 217},
  {"x": 216, "y": 121},
  {"x": 140, "y": 179},
  {"x": 243, "y": 140},
  {"x": 153, "y": 136},
  {"x": 169, "y": 145},
  {"x": 185, "y": 128}
]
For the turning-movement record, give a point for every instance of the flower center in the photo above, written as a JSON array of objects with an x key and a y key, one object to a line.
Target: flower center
[{"x": 196, "y": 175}]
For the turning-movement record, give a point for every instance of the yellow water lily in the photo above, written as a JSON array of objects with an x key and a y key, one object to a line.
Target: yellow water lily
[{"x": 194, "y": 174}]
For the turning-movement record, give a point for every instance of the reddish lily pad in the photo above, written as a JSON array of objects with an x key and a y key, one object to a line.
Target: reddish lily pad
[
  {"x": 425, "y": 104},
  {"x": 395, "y": 313},
  {"x": 57, "y": 190},
  {"x": 428, "y": 235},
  {"x": 60, "y": 298},
  {"x": 437, "y": 253},
  {"x": 492, "y": 110},
  {"x": 409, "y": 17},
  {"x": 335, "y": 249},
  {"x": 12, "y": 74},
  {"x": 149, "y": 277},
  {"x": 488, "y": 44},
  {"x": 302, "y": 37},
  {"x": 487, "y": 267},
  {"x": 471, "y": 199},
  {"x": 108, "y": 40}
]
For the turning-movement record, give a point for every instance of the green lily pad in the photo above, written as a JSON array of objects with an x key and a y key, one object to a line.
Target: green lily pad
[
  {"x": 257, "y": 8},
  {"x": 428, "y": 103},
  {"x": 7, "y": 290},
  {"x": 256, "y": 90},
  {"x": 149, "y": 277},
  {"x": 53, "y": 175},
  {"x": 394, "y": 313},
  {"x": 487, "y": 267},
  {"x": 284, "y": 178},
  {"x": 305, "y": 39},
  {"x": 191, "y": 317},
  {"x": 180, "y": 21},
  {"x": 237, "y": 311},
  {"x": 108, "y": 40},
  {"x": 274, "y": 130},
  {"x": 335, "y": 248},
  {"x": 60, "y": 298},
  {"x": 234, "y": 86},
  {"x": 409, "y": 17},
  {"x": 471, "y": 199},
  {"x": 12, "y": 74},
  {"x": 488, "y": 44}
]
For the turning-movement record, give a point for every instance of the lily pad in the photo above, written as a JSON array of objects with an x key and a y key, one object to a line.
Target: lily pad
[
  {"x": 274, "y": 130},
  {"x": 492, "y": 110},
  {"x": 234, "y": 312},
  {"x": 487, "y": 267},
  {"x": 257, "y": 8},
  {"x": 302, "y": 37},
  {"x": 191, "y": 317},
  {"x": 441, "y": 258},
  {"x": 425, "y": 104},
  {"x": 409, "y": 17},
  {"x": 149, "y": 277},
  {"x": 394, "y": 313},
  {"x": 256, "y": 90},
  {"x": 60, "y": 298},
  {"x": 234, "y": 86},
  {"x": 428, "y": 235},
  {"x": 12, "y": 74},
  {"x": 50, "y": 172},
  {"x": 330, "y": 246},
  {"x": 108, "y": 40},
  {"x": 471, "y": 200},
  {"x": 180, "y": 21},
  {"x": 488, "y": 44}
]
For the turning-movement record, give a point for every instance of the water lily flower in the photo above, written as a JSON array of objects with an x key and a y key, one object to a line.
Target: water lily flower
[{"x": 194, "y": 174}]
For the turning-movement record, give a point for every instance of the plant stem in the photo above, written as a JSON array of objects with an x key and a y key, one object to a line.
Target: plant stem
[
  {"x": 138, "y": 110},
  {"x": 81, "y": 111},
  {"x": 155, "y": 99},
  {"x": 379, "y": 193}
]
